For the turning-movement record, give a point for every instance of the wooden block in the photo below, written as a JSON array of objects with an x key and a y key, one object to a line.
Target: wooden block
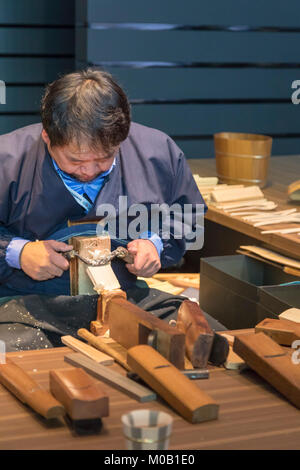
[
  {"x": 282, "y": 331},
  {"x": 20, "y": 384},
  {"x": 198, "y": 334},
  {"x": 103, "y": 300},
  {"x": 112, "y": 378},
  {"x": 129, "y": 325},
  {"x": 237, "y": 194},
  {"x": 103, "y": 278},
  {"x": 176, "y": 389},
  {"x": 114, "y": 350},
  {"x": 271, "y": 362},
  {"x": 80, "y": 282},
  {"x": 292, "y": 314},
  {"x": 81, "y": 395},
  {"x": 87, "y": 350}
]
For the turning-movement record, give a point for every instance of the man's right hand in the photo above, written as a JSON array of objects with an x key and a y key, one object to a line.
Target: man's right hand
[{"x": 42, "y": 260}]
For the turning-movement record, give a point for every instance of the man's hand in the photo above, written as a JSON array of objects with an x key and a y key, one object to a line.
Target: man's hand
[
  {"x": 42, "y": 260},
  {"x": 146, "y": 259}
]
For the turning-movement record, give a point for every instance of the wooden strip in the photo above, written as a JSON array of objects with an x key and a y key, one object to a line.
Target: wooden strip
[
  {"x": 114, "y": 350},
  {"x": 87, "y": 350},
  {"x": 112, "y": 378},
  {"x": 184, "y": 396},
  {"x": 282, "y": 331},
  {"x": 272, "y": 256},
  {"x": 240, "y": 194},
  {"x": 271, "y": 362}
]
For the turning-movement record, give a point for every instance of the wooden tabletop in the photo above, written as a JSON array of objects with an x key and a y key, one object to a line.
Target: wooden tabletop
[
  {"x": 282, "y": 171},
  {"x": 252, "y": 414}
]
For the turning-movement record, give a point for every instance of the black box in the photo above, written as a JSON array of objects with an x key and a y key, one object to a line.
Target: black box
[
  {"x": 274, "y": 300},
  {"x": 230, "y": 285}
]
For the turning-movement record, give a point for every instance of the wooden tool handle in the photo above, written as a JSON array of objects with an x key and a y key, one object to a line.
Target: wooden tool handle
[
  {"x": 20, "y": 384},
  {"x": 102, "y": 346}
]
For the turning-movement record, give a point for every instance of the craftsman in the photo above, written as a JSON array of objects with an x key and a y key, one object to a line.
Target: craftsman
[{"x": 85, "y": 153}]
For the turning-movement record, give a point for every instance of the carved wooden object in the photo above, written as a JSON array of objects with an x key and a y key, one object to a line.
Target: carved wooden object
[
  {"x": 20, "y": 384},
  {"x": 176, "y": 389},
  {"x": 282, "y": 331},
  {"x": 81, "y": 395},
  {"x": 80, "y": 282},
  {"x": 271, "y": 362},
  {"x": 198, "y": 334},
  {"x": 129, "y": 325}
]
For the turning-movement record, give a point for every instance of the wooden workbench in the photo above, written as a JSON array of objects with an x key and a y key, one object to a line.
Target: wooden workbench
[
  {"x": 282, "y": 172},
  {"x": 252, "y": 415}
]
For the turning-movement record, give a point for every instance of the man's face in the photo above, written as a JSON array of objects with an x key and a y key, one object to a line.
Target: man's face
[{"x": 83, "y": 164}]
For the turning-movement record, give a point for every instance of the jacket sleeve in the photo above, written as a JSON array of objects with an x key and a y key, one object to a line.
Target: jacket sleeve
[
  {"x": 5, "y": 238},
  {"x": 187, "y": 220}
]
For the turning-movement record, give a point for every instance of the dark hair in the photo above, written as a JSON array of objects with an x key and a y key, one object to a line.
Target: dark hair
[{"x": 86, "y": 105}]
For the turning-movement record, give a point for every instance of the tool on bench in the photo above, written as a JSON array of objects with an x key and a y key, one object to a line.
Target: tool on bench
[
  {"x": 176, "y": 389},
  {"x": 102, "y": 259},
  {"x": 20, "y": 384},
  {"x": 83, "y": 398}
]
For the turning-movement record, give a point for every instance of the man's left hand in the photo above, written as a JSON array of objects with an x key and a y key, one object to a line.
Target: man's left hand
[{"x": 146, "y": 260}]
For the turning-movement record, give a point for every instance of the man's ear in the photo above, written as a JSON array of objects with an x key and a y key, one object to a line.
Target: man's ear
[{"x": 45, "y": 137}]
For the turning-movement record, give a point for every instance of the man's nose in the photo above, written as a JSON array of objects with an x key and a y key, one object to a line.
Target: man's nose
[{"x": 91, "y": 169}]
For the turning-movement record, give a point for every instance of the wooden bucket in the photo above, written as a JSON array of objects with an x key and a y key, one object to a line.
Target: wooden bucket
[{"x": 242, "y": 158}]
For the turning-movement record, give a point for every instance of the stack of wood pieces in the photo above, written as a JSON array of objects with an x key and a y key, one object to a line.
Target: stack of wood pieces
[
  {"x": 265, "y": 351},
  {"x": 287, "y": 264}
]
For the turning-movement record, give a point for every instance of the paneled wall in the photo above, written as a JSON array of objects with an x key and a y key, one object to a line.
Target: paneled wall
[
  {"x": 195, "y": 68},
  {"x": 37, "y": 40}
]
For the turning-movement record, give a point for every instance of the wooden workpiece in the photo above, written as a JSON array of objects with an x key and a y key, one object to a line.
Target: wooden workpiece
[
  {"x": 81, "y": 394},
  {"x": 198, "y": 334},
  {"x": 23, "y": 387},
  {"x": 112, "y": 378},
  {"x": 80, "y": 283},
  {"x": 114, "y": 350},
  {"x": 282, "y": 331},
  {"x": 292, "y": 314},
  {"x": 271, "y": 362},
  {"x": 104, "y": 298},
  {"x": 129, "y": 325},
  {"x": 176, "y": 389},
  {"x": 86, "y": 350}
]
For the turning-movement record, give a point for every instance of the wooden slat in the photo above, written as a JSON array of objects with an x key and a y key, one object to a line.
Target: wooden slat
[
  {"x": 33, "y": 70},
  {"x": 22, "y": 99},
  {"x": 37, "y": 12},
  {"x": 36, "y": 41},
  {"x": 200, "y": 46},
  {"x": 132, "y": 389},
  {"x": 204, "y": 83},
  {"x": 87, "y": 350},
  {"x": 195, "y": 12},
  {"x": 209, "y": 119}
]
